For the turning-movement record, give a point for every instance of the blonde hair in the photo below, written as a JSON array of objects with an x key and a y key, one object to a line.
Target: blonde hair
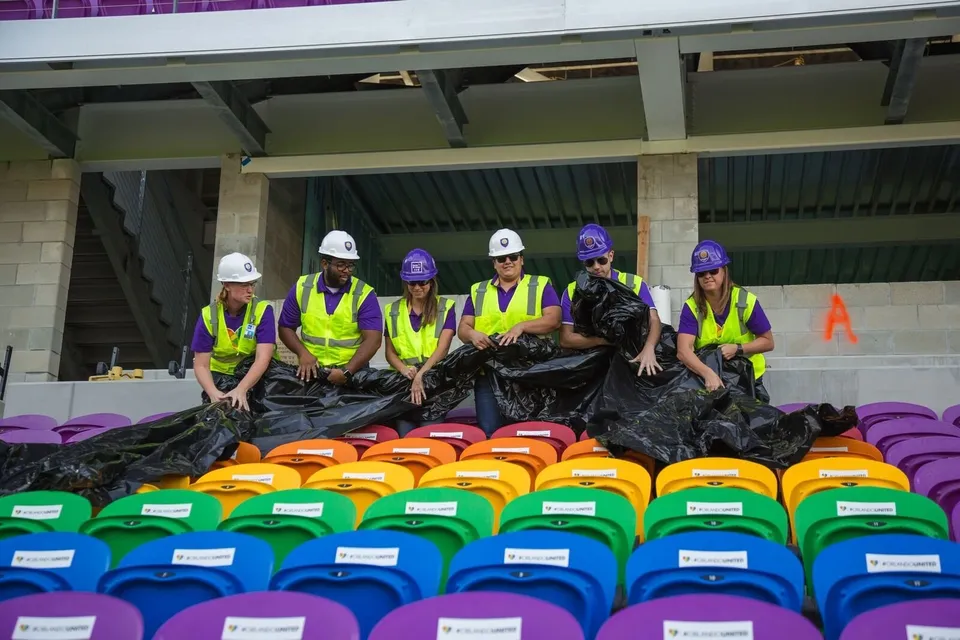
[
  {"x": 223, "y": 296},
  {"x": 430, "y": 306},
  {"x": 700, "y": 296}
]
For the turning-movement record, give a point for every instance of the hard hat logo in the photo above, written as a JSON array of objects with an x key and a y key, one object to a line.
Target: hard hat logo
[
  {"x": 248, "y": 266},
  {"x": 589, "y": 242},
  {"x": 703, "y": 255},
  {"x": 504, "y": 242},
  {"x": 416, "y": 267},
  {"x": 348, "y": 245}
]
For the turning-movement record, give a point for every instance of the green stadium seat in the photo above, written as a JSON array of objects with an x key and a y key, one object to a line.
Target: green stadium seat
[
  {"x": 717, "y": 509},
  {"x": 37, "y": 511}
]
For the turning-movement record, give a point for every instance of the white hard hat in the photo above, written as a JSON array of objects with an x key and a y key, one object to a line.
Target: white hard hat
[
  {"x": 339, "y": 244},
  {"x": 504, "y": 242},
  {"x": 236, "y": 267}
]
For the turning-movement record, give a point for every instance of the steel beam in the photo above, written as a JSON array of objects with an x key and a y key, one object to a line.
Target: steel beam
[
  {"x": 237, "y": 113},
  {"x": 662, "y": 83},
  {"x": 441, "y": 89},
  {"x": 26, "y": 113},
  {"x": 904, "y": 64}
]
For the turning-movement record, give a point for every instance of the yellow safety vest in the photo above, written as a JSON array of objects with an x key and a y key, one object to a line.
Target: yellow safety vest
[
  {"x": 734, "y": 330},
  {"x": 227, "y": 353},
  {"x": 415, "y": 347},
  {"x": 629, "y": 279},
  {"x": 526, "y": 304},
  {"x": 332, "y": 339}
]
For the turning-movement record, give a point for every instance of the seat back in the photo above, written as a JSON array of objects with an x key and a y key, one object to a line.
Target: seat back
[
  {"x": 497, "y": 481},
  {"x": 591, "y": 448},
  {"x": 309, "y": 456},
  {"x": 83, "y": 615},
  {"x": 35, "y": 511},
  {"x": 365, "y": 437},
  {"x": 878, "y": 412},
  {"x": 910, "y": 455},
  {"x": 30, "y": 436},
  {"x": 459, "y": 436},
  {"x": 363, "y": 482},
  {"x": 531, "y": 454},
  {"x": 51, "y": 561},
  {"x": 886, "y": 434},
  {"x": 720, "y": 509},
  {"x": 951, "y": 415},
  {"x": 417, "y": 454},
  {"x": 245, "y": 453},
  {"x": 841, "y": 447},
  {"x": 940, "y": 481},
  {"x": 232, "y": 485},
  {"x": 914, "y": 617},
  {"x": 558, "y": 436},
  {"x": 717, "y": 472},
  {"x": 137, "y": 519},
  {"x": 286, "y": 519}
]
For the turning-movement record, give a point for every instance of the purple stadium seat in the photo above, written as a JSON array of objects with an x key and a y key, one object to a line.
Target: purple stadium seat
[
  {"x": 21, "y": 10},
  {"x": 123, "y": 8},
  {"x": 79, "y": 424},
  {"x": 920, "y": 619},
  {"x": 231, "y": 5},
  {"x": 112, "y": 618},
  {"x": 156, "y": 416},
  {"x": 88, "y": 433},
  {"x": 183, "y": 6},
  {"x": 463, "y": 415},
  {"x": 459, "y": 613},
  {"x": 72, "y": 8},
  {"x": 29, "y": 421},
  {"x": 30, "y": 436},
  {"x": 263, "y": 615},
  {"x": 910, "y": 455},
  {"x": 877, "y": 412},
  {"x": 940, "y": 481},
  {"x": 708, "y": 614},
  {"x": 886, "y": 434},
  {"x": 952, "y": 415}
]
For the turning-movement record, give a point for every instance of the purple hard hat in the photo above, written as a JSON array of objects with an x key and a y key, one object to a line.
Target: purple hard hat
[
  {"x": 593, "y": 241},
  {"x": 707, "y": 256},
  {"x": 418, "y": 266}
]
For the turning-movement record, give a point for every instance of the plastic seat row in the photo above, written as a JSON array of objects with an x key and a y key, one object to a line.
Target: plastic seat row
[
  {"x": 35, "y": 9},
  {"x": 36, "y": 428}
]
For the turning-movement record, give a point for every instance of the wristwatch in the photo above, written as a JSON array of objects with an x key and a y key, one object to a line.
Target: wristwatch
[
  {"x": 348, "y": 374},
  {"x": 739, "y": 349}
]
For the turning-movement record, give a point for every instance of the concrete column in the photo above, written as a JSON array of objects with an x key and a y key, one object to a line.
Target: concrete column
[
  {"x": 667, "y": 191},
  {"x": 38, "y": 222}
]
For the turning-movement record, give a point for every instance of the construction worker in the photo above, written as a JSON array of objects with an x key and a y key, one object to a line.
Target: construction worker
[
  {"x": 721, "y": 313},
  {"x": 234, "y": 326},
  {"x": 419, "y": 327},
  {"x": 510, "y": 304},
  {"x": 338, "y": 315},
  {"x": 595, "y": 251}
]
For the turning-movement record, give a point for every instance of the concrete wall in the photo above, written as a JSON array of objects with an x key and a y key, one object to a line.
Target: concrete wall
[{"x": 286, "y": 206}]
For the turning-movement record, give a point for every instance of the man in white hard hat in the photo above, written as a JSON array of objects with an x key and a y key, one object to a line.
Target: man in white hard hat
[
  {"x": 510, "y": 304},
  {"x": 338, "y": 315},
  {"x": 235, "y": 326}
]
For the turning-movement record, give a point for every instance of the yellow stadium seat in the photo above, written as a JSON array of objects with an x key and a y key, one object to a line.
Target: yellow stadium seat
[
  {"x": 246, "y": 453},
  {"x": 497, "y": 481},
  {"x": 839, "y": 447},
  {"x": 717, "y": 472},
  {"x": 622, "y": 477},
  {"x": 309, "y": 456},
  {"x": 532, "y": 455},
  {"x": 233, "y": 485},
  {"x": 417, "y": 454},
  {"x": 363, "y": 482},
  {"x": 147, "y": 488}
]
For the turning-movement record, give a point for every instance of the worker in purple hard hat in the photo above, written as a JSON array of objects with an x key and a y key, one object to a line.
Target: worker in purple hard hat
[
  {"x": 418, "y": 327},
  {"x": 595, "y": 252},
  {"x": 722, "y": 313}
]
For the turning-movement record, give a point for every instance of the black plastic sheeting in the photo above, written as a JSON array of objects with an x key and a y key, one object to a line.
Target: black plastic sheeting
[{"x": 669, "y": 416}]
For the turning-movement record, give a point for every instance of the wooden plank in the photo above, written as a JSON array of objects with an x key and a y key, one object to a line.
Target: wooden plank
[{"x": 643, "y": 245}]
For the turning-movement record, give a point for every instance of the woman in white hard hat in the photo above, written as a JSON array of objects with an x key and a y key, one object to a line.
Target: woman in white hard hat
[{"x": 235, "y": 326}]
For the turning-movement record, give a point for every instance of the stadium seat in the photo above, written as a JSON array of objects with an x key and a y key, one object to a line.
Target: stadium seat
[
  {"x": 53, "y": 561},
  {"x": 417, "y": 454},
  {"x": 309, "y": 456},
  {"x": 913, "y": 620},
  {"x": 362, "y": 482},
  {"x": 88, "y": 434},
  {"x": 853, "y": 434},
  {"x": 76, "y": 425},
  {"x": 591, "y": 448},
  {"x": 707, "y": 509},
  {"x": 459, "y": 436},
  {"x": 533, "y": 455},
  {"x": 628, "y": 479},
  {"x": 167, "y": 575},
  {"x": 365, "y": 437},
  {"x": 155, "y": 417},
  {"x": 134, "y": 520},
  {"x": 233, "y": 485},
  {"x": 462, "y": 614},
  {"x": 734, "y": 564},
  {"x": 877, "y": 412},
  {"x": 462, "y": 415},
  {"x": 571, "y": 571},
  {"x": 89, "y": 615},
  {"x": 840, "y": 447},
  {"x": 855, "y": 576},
  {"x": 449, "y": 518},
  {"x": 369, "y": 572},
  {"x": 28, "y": 421},
  {"x": 717, "y": 472},
  {"x": 836, "y": 515},
  {"x": 498, "y": 482},
  {"x": 940, "y": 481},
  {"x": 30, "y": 436},
  {"x": 951, "y": 415},
  {"x": 911, "y": 455},
  {"x": 272, "y": 614},
  {"x": 246, "y": 453},
  {"x": 708, "y": 616},
  {"x": 886, "y": 434},
  {"x": 35, "y": 511},
  {"x": 557, "y": 436},
  {"x": 287, "y": 519}
]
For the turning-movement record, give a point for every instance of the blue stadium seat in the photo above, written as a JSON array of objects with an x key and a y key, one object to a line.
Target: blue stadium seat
[
  {"x": 571, "y": 571},
  {"x": 370, "y": 572},
  {"x": 735, "y": 564},
  {"x": 51, "y": 561},
  {"x": 167, "y": 575},
  {"x": 865, "y": 573}
]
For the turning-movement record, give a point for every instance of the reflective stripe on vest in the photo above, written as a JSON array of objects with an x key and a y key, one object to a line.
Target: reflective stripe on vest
[
  {"x": 413, "y": 349},
  {"x": 488, "y": 317},
  {"x": 732, "y": 332},
  {"x": 634, "y": 282},
  {"x": 329, "y": 350}
]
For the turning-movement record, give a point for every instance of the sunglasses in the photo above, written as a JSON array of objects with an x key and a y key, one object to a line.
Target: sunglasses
[
  {"x": 343, "y": 266},
  {"x": 602, "y": 260},
  {"x": 513, "y": 257},
  {"x": 704, "y": 274},
  {"x": 418, "y": 283}
]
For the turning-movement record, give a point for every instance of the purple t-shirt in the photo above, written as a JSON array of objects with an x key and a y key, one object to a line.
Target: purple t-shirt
[
  {"x": 565, "y": 299},
  {"x": 266, "y": 331},
  {"x": 416, "y": 319},
  {"x": 548, "y": 298},
  {"x": 757, "y": 324},
  {"x": 369, "y": 316}
]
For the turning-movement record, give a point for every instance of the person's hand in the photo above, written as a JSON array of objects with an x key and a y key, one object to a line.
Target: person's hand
[
  {"x": 216, "y": 396},
  {"x": 417, "y": 394},
  {"x": 481, "y": 340},
  {"x": 309, "y": 367},
  {"x": 510, "y": 337},
  {"x": 336, "y": 377},
  {"x": 237, "y": 398},
  {"x": 648, "y": 362},
  {"x": 712, "y": 382},
  {"x": 410, "y": 372},
  {"x": 729, "y": 351}
]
